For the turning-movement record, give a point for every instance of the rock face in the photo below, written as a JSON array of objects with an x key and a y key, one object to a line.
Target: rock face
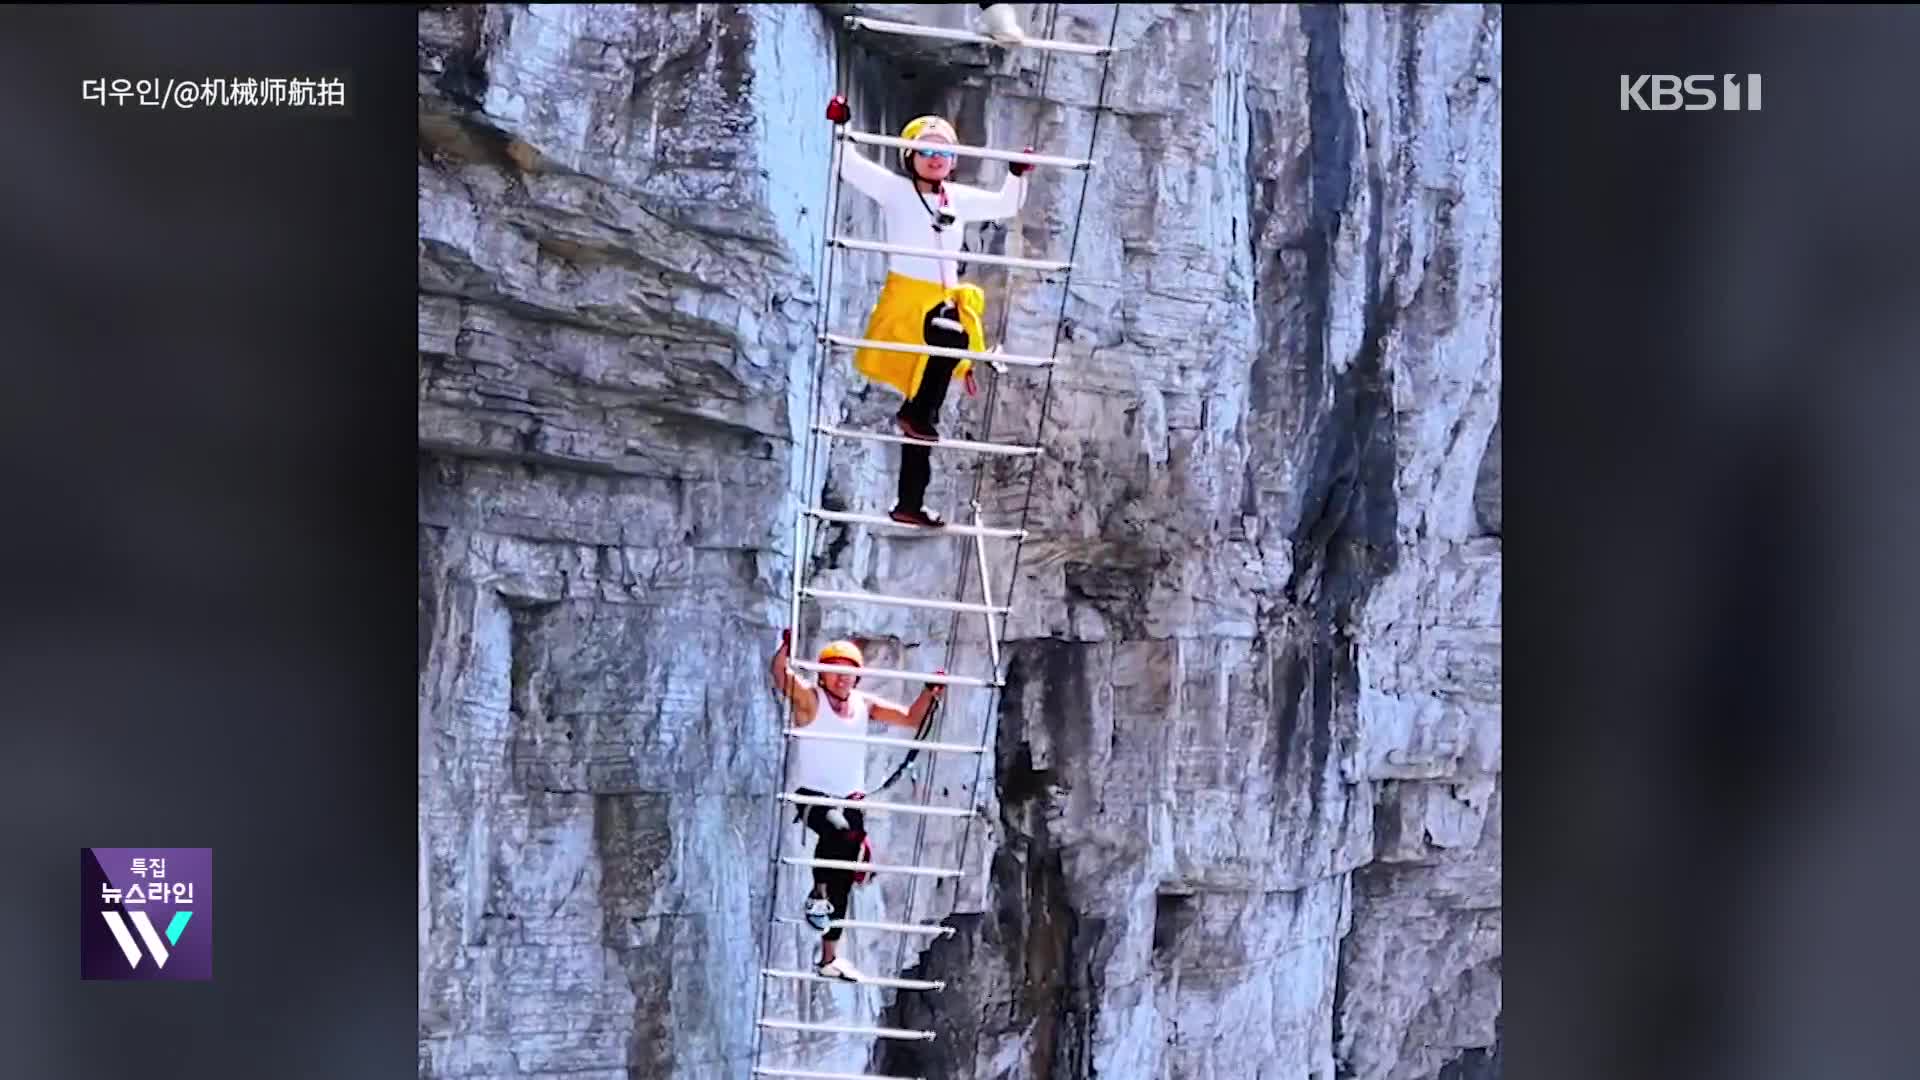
[{"x": 1241, "y": 817}]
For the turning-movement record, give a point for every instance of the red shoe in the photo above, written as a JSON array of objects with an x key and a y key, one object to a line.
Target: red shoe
[
  {"x": 925, "y": 519},
  {"x": 912, "y": 429}
]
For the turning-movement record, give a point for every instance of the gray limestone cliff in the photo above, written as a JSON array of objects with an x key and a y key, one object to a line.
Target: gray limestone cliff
[{"x": 1242, "y": 814}]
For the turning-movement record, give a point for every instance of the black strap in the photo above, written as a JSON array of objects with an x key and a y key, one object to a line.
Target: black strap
[
  {"x": 926, "y": 726},
  {"x": 942, "y": 221}
]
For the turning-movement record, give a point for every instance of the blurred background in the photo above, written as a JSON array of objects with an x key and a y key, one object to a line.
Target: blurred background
[{"x": 1712, "y": 339}]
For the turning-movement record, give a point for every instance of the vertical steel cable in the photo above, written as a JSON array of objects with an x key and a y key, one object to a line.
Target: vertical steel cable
[
  {"x": 979, "y": 476},
  {"x": 974, "y": 794},
  {"x": 842, "y": 77},
  {"x": 1046, "y": 401}
]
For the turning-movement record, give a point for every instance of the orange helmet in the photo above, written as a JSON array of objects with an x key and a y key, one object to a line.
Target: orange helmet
[{"x": 843, "y": 652}]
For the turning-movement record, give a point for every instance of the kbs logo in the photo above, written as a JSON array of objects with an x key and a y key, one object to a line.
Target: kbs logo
[
  {"x": 146, "y": 913},
  {"x": 1694, "y": 93}
]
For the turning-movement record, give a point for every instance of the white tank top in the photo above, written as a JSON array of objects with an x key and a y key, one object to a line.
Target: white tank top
[{"x": 834, "y": 766}]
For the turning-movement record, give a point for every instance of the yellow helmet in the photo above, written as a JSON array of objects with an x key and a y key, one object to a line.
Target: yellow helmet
[
  {"x": 843, "y": 652},
  {"x": 920, "y": 127}
]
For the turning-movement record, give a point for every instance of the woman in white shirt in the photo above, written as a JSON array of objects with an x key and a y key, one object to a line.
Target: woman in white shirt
[{"x": 922, "y": 302}]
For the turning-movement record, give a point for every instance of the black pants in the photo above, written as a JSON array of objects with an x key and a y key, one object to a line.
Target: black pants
[
  {"x": 834, "y": 843},
  {"x": 923, "y": 409}
]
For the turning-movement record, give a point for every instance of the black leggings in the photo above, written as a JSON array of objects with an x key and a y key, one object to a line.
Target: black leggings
[
  {"x": 923, "y": 408},
  {"x": 834, "y": 843}
]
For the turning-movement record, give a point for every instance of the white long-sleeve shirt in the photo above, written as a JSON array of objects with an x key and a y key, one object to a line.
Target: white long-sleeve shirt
[{"x": 910, "y": 214}]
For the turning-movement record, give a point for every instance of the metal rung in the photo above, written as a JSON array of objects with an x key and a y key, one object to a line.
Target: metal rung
[
  {"x": 923, "y": 929},
  {"x": 841, "y": 1029},
  {"x": 871, "y": 868},
  {"x": 904, "y": 601},
  {"x": 884, "y": 740},
  {"x": 943, "y": 444},
  {"x": 870, "y": 139},
  {"x": 869, "y": 804},
  {"x": 944, "y": 530},
  {"x": 982, "y": 257},
  {"x": 866, "y": 980},
  {"x": 889, "y": 673},
  {"x": 881, "y": 26},
  {"x": 811, "y": 1075},
  {"x": 940, "y": 350}
]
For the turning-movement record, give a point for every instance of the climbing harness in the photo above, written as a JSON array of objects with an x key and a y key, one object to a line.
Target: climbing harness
[{"x": 924, "y": 740}]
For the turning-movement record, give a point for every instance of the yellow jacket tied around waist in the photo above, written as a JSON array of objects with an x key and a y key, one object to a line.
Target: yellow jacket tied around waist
[{"x": 900, "y": 315}]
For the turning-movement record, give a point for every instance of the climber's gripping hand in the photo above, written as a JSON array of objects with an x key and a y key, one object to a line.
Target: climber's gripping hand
[{"x": 1020, "y": 168}]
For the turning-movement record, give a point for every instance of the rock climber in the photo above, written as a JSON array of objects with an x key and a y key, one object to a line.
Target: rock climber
[
  {"x": 920, "y": 302},
  {"x": 836, "y": 769}
]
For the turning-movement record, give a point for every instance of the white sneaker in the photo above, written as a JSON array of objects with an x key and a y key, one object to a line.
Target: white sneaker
[
  {"x": 1002, "y": 24},
  {"x": 820, "y": 913},
  {"x": 839, "y": 969}
]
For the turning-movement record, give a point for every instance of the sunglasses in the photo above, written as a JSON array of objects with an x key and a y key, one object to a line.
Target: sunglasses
[{"x": 937, "y": 155}]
